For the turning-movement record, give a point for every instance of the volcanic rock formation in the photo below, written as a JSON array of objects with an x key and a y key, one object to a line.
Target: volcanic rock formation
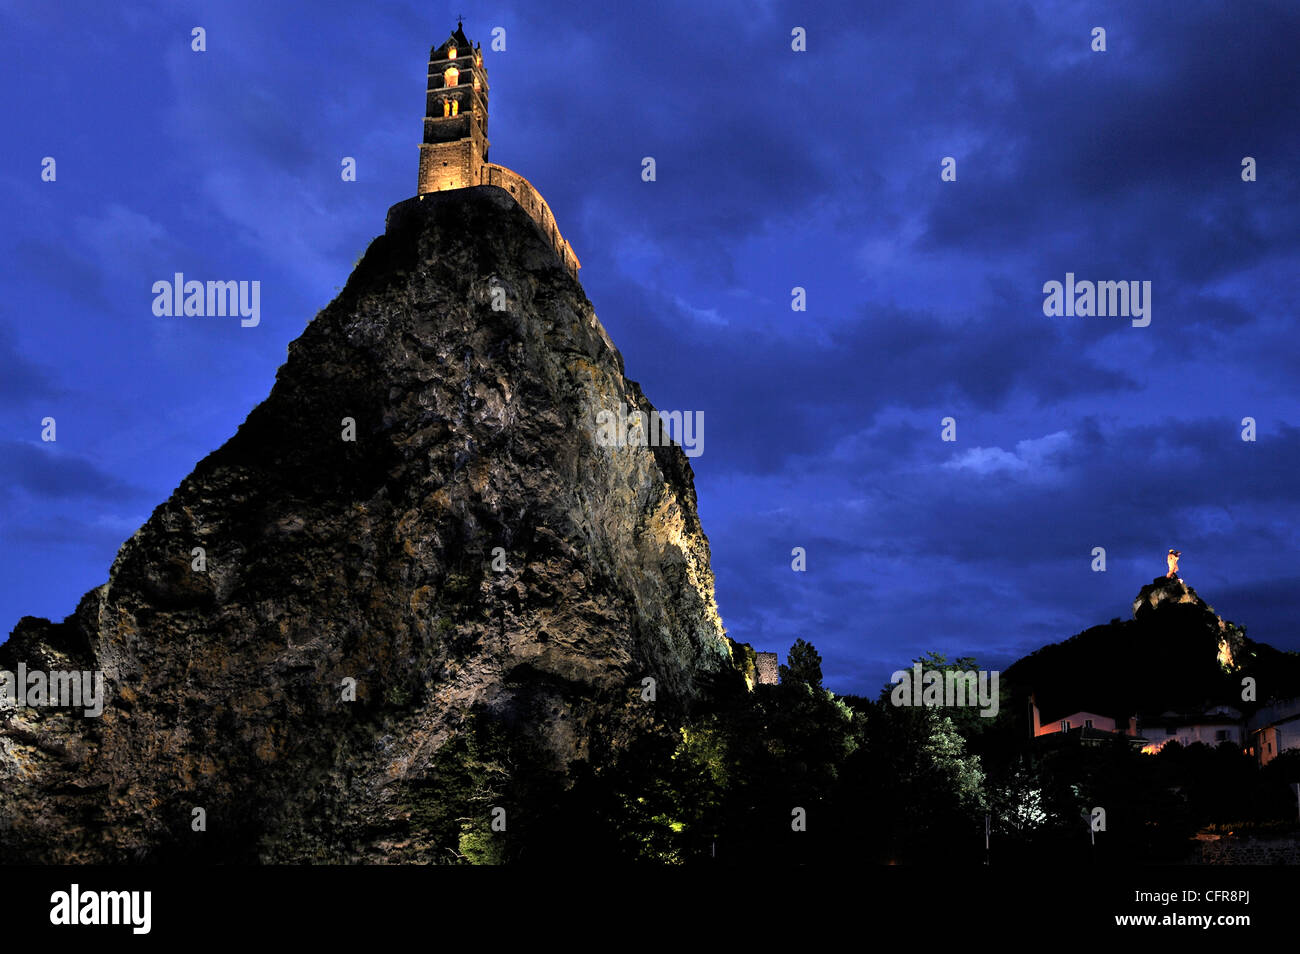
[{"x": 473, "y": 556}]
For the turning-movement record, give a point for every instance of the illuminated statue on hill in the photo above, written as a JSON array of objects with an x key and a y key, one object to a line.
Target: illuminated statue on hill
[{"x": 1172, "y": 560}]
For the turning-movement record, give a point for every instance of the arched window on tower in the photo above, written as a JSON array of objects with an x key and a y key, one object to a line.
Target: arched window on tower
[
  {"x": 446, "y": 108},
  {"x": 455, "y": 107},
  {"x": 449, "y": 76}
]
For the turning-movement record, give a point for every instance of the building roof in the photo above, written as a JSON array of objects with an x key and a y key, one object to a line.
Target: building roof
[
  {"x": 1078, "y": 716},
  {"x": 458, "y": 38},
  {"x": 1285, "y": 711},
  {"x": 1057, "y": 712}
]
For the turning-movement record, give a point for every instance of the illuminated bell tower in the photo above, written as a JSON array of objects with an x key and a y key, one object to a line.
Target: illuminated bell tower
[
  {"x": 454, "y": 153},
  {"x": 455, "y": 145}
]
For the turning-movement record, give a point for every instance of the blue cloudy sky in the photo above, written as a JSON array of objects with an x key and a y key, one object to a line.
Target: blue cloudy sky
[{"x": 776, "y": 169}]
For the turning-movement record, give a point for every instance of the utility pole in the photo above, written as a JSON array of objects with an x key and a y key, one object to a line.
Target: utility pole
[{"x": 1092, "y": 836}]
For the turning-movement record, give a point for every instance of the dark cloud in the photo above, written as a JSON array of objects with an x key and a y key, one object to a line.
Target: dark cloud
[
  {"x": 21, "y": 381},
  {"x": 46, "y": 472}
]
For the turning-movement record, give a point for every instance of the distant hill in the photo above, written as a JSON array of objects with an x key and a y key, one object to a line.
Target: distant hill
[{"x": 1176, "y": 654}]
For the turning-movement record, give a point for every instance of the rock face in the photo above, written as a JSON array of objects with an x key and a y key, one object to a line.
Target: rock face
[
  {"x": 472, "y": 554},
  {"x": 1172, "y": 591},
  {"x": 1165, "y": 589}
]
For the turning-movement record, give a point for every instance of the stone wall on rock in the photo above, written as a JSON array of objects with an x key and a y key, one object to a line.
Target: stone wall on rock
[{"x": 1246, "y": 850}]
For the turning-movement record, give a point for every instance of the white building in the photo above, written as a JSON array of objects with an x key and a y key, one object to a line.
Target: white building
[{"x": 1274, "y": 729}]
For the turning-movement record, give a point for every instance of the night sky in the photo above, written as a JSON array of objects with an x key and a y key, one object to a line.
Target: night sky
[{"x": 775, "y": 169}]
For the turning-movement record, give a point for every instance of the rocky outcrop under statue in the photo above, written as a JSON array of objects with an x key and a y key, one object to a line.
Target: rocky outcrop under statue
[{"x": 329, "y": 560}]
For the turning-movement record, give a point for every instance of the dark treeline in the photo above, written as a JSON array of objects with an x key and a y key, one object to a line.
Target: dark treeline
[{"x": 792, "y": 773}]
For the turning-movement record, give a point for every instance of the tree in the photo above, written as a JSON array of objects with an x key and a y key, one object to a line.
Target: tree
[{"x": 804, "y": 665}]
